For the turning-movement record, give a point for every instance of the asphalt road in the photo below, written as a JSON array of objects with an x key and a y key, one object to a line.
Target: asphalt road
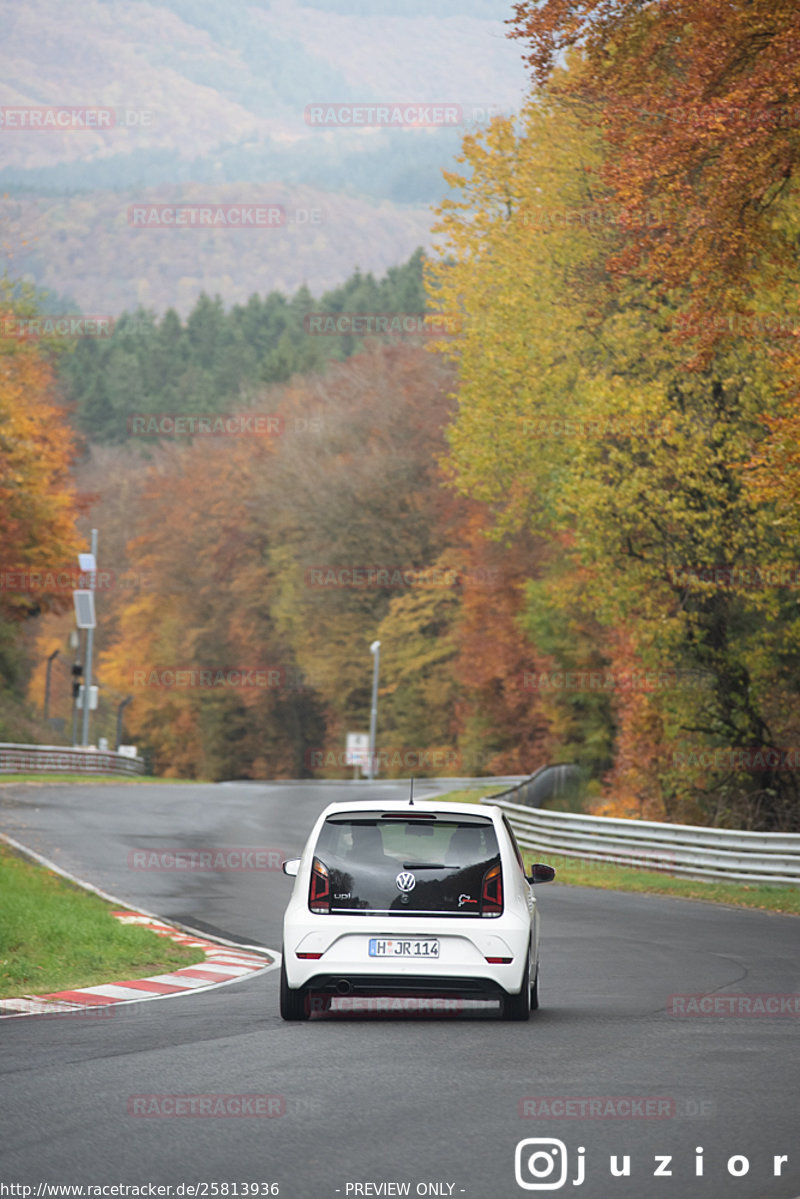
[{"x": 367, "y": 1100}]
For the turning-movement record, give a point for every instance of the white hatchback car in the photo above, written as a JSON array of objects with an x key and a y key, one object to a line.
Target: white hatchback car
[{"x": 411, "y": 899}]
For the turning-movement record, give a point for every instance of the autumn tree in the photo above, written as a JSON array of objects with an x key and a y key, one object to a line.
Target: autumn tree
[
  {"x": 240, "y": 544},
  {"x": 698, "y": 103},
  {"x": 215, "y": 692},
  {"x": 355, "y": 485},
  {"x": 38, "y": 499},
  {"x": 576, "y": 421}
]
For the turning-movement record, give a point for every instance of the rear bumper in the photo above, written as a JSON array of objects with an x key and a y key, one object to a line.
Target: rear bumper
[
  {"x": 444, "y": 986},
  {"x": 464, "y": 966}
]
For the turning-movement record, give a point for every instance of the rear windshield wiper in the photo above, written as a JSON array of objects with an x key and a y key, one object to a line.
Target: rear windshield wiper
[{"x": 423, "y": 865}]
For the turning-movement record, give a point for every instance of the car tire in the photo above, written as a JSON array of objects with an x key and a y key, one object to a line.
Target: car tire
[
  {"x": 535, "y": 991},
  {"x": 294, "y": 1000},
  {"x": 518, "y": 1007}
]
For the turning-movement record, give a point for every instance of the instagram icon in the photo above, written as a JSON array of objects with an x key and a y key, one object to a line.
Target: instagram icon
[{"x": 540, "y": 1164}]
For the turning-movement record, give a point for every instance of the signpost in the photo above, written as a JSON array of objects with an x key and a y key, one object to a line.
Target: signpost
[
  {"x": 93, "y": 694},
  {"x": 84, "y": 608},
  {"x": 357, "y": 751},
  {"x": 85, "y": 616}
]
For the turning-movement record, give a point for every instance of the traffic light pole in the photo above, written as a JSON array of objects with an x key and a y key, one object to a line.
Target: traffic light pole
[
  {"x": 77, "y": 671},
  {"x": 87, "y": 671},
  {"x": 50, "y": 662}
]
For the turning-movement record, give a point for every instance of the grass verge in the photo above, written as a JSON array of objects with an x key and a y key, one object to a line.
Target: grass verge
[
  {"x": 468, "y": 794},
  {"x": 55, "y": 936},
  {"x": 576, "y": 873}
]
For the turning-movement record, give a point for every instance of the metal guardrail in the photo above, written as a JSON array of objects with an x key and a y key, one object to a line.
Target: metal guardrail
[
  {"x": 556, "y": 781},
  {"x": 685, "y": 849},
  {"x": 25, "y": 759}
]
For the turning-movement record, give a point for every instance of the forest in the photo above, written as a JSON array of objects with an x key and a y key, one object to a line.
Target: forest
[{"x": 571, "y": 521}]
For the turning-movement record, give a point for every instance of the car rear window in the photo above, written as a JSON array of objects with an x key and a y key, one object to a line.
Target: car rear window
[{"x": 411, "y": 865}]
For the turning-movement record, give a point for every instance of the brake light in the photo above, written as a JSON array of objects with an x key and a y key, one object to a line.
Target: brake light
[
  {"x": 319, "y": 899},
  {"x": 492, "y": 892}
]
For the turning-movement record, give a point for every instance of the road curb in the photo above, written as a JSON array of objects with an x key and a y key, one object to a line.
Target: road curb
[{"x": 226, "y": 962}]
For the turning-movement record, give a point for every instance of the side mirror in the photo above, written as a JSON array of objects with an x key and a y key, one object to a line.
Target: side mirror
[
  {"x": 541, "y": 874},
  {"x": 291, "y": 866}
]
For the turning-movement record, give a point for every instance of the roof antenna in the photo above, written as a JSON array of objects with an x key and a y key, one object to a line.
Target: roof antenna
[{"x": 411, "y": 797}]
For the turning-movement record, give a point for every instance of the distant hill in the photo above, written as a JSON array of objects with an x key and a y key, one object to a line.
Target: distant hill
[
  {"x": 83, "y": 245},
  {"x": 207, "y": 89},
  {"x": 205, "y": 102}
]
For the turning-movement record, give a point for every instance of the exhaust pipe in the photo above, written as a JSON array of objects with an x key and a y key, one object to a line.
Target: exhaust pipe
[{"x": 343, "y": 987}]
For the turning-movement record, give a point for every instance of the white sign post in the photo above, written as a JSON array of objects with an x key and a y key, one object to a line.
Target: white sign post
[
  {"x": 84, "y": 609},
  {"x": 357, "y": 751},
  {"x": 93, "y": 696},
  {"x": 88, "y": 564}
]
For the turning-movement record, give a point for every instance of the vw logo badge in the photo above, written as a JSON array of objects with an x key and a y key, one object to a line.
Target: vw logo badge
[{"x": 406, "y": 881}]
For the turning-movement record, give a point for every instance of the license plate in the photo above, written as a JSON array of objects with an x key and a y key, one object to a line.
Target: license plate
[{"x": 402, "y": 947}]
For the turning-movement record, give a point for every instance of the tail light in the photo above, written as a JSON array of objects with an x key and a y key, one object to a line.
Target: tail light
[
  {"x": 492, "y": 892},
  {"x": 319, "y": 898}
]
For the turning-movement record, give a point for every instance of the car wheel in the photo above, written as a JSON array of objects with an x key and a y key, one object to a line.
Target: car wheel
[
  {"x": 518, "y": 1007},
  {"x": 535, "y": 991},
  {"x": 294, "y": 1000}
]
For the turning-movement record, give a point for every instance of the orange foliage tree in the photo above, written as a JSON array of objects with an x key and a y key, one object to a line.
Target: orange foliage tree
[
  {"x": 214, "y": 691},
  {"x": 505, "y": 727},
  {"x": 38, "y": 499},
  {"x": 38, "y": 504},
  {"x": 699, "y": 102}
]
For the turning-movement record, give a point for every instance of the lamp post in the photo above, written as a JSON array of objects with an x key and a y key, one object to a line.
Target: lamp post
[
  {"x": 375, "y": 650},
  {"x": 120, "y": 710},
  {"x": 50, "y": 661}
]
